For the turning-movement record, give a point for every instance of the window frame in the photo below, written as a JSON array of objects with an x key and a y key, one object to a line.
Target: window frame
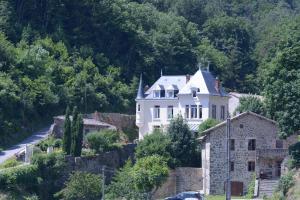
[
  {"x": 251, "y": 166},
  {"x": 170, "y": 110},
  {"x": 156, "y": 112},
  {"x": 194, "y": 114},
  {"x": 200, "y": 114},
  {"x": 194, "y": 93},
  {"x": 231, "y": 166},
  {"x": 155, "y": 92},
  {"x": 222, "y": 112},
  {"x": 170, "y": 92},
  {"x": 232, "y": 145},
  {"x": 213, "y": 111},
  {"x": 138, "y": 107},
  {"x": 187, "y": 111},
  {"x": 251, "y": 144}
]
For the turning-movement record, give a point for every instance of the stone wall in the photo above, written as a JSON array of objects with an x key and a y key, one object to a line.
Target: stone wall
[{"x": 181, "y": 179}]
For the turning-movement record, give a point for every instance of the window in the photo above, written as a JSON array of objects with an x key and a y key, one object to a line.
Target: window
[
  {"x": 200, "y": 111},
  {"x": 222, "y": 112},
  {"x": 241, "y": 125},
  {"x": 279, "y": 144},
  {"x": 170, "y": 94},
  {"x": 251, "y": 144},
  {"x": 156, "y": 94},
  {"x": 214, "y": 111},
  {"x": 157, "y": 112},
  {"x": 156, "y": 128},
  {"x": 232, "y": 145},
  {"x": 170, "y": 112},
  {"x": 251, "y": 166},
  {"x": 231, "y": 166},
  {"x": 187, "y": 113},
  {"x": 138, "y": 107},
  {"x": 194, "y": 92},
  {"x": 193, "y": 111},
  {"x": 162, "y": 93},
  {"x": 176, "y": 92}
]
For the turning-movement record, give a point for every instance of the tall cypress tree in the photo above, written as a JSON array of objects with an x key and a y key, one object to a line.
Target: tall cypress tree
[
  {"x": 79, "y": 135},
  {"x": 67, "y": 137},
  {"x": 74, "y": 130}
]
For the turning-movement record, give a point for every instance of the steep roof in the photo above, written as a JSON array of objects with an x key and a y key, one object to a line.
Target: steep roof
[
  {"x": 140, "y": 93},
  {"x": 236, "y": 118}
]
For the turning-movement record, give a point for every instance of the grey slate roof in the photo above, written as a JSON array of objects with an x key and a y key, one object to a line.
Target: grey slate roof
[
  {"x": 210, "y": 83},
  {"x": 140, "y": 94}
]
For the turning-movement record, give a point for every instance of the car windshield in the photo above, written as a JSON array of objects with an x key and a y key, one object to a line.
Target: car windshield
[{"x": 190, "y": 195}]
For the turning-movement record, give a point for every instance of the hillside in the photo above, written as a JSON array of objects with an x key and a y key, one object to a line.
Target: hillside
[{"x": 90, "y": 53}]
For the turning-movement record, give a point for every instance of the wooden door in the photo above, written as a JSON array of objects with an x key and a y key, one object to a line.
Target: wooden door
[{"x": 236, "y": 188}]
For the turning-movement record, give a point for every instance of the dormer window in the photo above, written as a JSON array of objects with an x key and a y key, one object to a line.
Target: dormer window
[
  {"x": 194, "y": 92},
  {"x": 170, "y": 93},
  {"x": 156, "y": 94}
]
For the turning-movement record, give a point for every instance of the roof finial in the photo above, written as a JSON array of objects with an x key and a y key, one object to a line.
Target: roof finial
[
  {"x": 208, "y": 63},
  {"x": 199, "y": 66},
  {"x": 161, "y": 72}
]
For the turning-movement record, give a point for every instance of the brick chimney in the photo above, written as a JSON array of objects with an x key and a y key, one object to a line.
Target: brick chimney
[
  {"x": 217, "y": 84},
  {"x": 188, "y": 77}
]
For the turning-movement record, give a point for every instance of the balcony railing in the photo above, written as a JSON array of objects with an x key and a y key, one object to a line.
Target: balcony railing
[{"x": 272, "y": 153}]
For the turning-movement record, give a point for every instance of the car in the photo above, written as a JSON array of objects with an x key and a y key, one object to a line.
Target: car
[{"x": 191, "y": 195}]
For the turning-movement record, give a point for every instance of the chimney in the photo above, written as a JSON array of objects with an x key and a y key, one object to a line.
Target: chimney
[
  {"x": 146, "y": 88},
  {"x": 188, "y": 77},
  {"x": 217, "y": 84}
]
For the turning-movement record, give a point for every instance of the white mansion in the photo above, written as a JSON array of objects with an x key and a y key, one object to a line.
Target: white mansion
[{"x": 196, "y": 98}]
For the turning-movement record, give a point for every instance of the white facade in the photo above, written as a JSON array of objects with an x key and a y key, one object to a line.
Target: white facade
[{"x": 196, "y": 98}]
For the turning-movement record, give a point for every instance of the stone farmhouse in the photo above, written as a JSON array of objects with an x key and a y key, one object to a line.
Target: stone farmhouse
[
  {"x": 196, "y": 97},
  {"x": 255, "y": 148}
]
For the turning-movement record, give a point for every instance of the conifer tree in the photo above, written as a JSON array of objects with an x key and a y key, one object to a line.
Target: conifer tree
[
  {"x": 74, "y": 130},
  {"x": 67, "y": 137},
  {"x": 79, "y": 135}
]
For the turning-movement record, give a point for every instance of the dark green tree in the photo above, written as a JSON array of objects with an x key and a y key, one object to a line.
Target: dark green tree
[
  {"x": 78, "y": 136},
  {"x": 67, "y": 137},
  {"x": 183, "y": 144},
  {"x": 251, "y": 103},
  {"x": 74, "y": 129},
  {"x": 208, "y": 123}
]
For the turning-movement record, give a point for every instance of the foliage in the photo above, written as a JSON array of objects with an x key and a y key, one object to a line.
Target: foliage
[
  {"x": 183, "y": 143},
  {"x": 20, "y": 177},
  {"x": 131, "y": 133},
  {"x": 11, "y": 162},
  {"x": 67, "y": 137},
  {"x": 294, "y": 152},
  {"x": 103, "y": 141},
  {"x": 208, "y": 123},
  {"x": 156, "y": 143},
  {"x": 286, "y": 181},
  {"x": 251, "y": 103},
  {"x": 123, "y": 185},
  {"x": 49, "y": 142},
  {"x": 82, "y": 185},
  {"x": 282, "y": 84},
  {"x": 251, "y": 187},
  {"x": 78, "y": 135},
  {"x": 149, "y": 173}
]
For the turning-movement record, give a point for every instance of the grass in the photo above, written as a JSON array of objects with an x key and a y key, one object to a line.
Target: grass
[
  {"x": 221, "y": 197},
  {"x": 11, "y": 162}
]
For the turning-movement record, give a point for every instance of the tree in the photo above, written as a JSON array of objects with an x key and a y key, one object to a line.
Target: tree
[
  {"x": 183, "y": 143},
  {"x": 103, "y": 141},
  {"x": 251, "y": 103},
  {"x": 67, "y": 137},
  {"x": 79, "y": 136},
  {"x": 74, "y": 128},
  {"x": 282, "y": 85},
  {"x": 156, "y": 143},
  {"x": 208, "y": 123},
  {"x": 150, "y": 173},
  {"x": 82, "y": 185}
]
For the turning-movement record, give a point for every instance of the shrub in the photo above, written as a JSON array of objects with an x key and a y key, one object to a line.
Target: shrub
[
  {"x": 103, "y": 141},
  {"x": 83, "y": 186},
  {"x": 251, "y": 187},
  {"x": 294, "y": 151},
  {"x": 131, "y": 133},
  {"x": 50, "y": 141},
  {"x": 207, "y": 124},
  {"x": 286, "y": 182},
  {"x": 12, "y": 162},
  {"x": 24, "y": 177},
  {"x": 154, "y": 144}
]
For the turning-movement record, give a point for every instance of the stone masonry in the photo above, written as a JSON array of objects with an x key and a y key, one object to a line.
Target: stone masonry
[{"x": 267, "y": 155}]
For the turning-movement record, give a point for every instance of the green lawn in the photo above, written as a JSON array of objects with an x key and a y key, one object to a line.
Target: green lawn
[{"x": 220, "y": 197}]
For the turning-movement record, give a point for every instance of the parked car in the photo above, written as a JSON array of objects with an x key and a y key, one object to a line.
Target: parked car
[{"x": 187, "y": 196}]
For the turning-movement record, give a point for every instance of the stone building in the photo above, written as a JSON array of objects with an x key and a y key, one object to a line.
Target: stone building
[{"x": 255, "y": 148}]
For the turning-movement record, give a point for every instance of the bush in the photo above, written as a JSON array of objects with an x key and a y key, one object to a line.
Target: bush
[
  {"x": 50, "y": 142},
  {"x": 294, "y": 151},
  {"x": 12, "y": 162},
  {"x": 207, "y": 124},
  {"x": 131, "y": 133},
  {"x": 154, "y": 144},
  {"x": 286, "y": 182},
  {"x": 24, "y": 177},
  {"x": 103, "y": 141},
  {"x": 82, "y": 186},
  {"x": 251, "y": 187}
]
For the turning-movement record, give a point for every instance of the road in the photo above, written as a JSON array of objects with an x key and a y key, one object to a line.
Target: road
[{"x": 33, "y": 139}]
